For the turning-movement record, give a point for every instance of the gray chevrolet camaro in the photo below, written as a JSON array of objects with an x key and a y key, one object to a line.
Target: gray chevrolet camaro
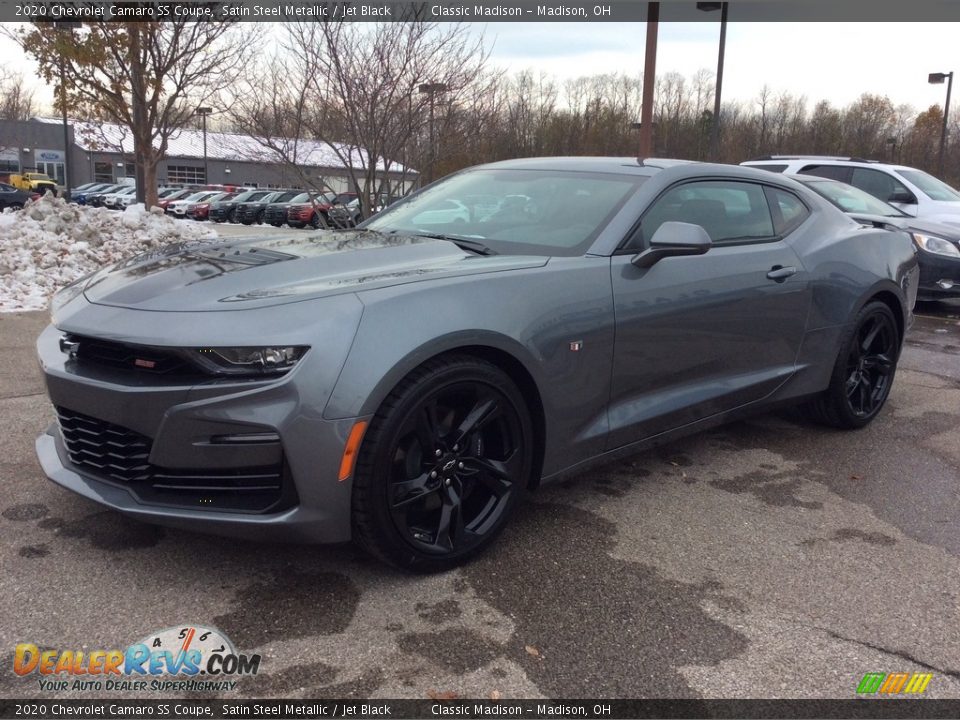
[{"x": 403, "y": 383}]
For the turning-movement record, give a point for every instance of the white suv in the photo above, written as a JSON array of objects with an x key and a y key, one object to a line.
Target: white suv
[{"x": 912, "y": 191}]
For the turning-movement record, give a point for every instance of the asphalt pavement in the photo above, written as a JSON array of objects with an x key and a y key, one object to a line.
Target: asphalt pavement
[{"x": 768, "y": 558}]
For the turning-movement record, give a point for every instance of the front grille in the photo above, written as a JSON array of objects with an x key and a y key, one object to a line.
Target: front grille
[
  {"x": 118, "y": 454},
  {"x": 140, "y": 358}
]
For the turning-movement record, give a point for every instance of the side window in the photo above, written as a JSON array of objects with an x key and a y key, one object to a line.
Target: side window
[
  {"x": 877, "y": 183},
  {"x": 770, "y": 167},
  {"x": 728, "y": 210},
  {"x": 787, "y": 209},
  {"x": 831, "y": 172}
]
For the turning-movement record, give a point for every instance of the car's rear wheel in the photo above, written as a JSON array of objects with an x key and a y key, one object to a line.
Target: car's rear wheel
[
  {"x": 232, "y": 215},
  {"x": 442, "y": 466},
  {"x": 260, "y": 217},
  {"x": 864, "y": 370}
]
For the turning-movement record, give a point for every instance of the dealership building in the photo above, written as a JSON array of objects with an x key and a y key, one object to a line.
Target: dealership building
[{"x": 103, "y": 152}]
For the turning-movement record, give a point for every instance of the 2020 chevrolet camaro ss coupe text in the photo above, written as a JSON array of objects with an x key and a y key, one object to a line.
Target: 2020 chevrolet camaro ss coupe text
[{"x": 403, "y": 382}]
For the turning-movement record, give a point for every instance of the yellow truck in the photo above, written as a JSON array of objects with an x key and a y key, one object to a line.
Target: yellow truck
[{"x": 34, "y": 181}]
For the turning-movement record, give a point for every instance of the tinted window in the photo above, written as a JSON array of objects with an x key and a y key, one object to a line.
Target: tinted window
[
  {"x": 770, "y": 168},
  {"x": 787, "y": 209},
  {"x": 832, "y": 172},
  {"x": 729, "y": 211},
  {"x": 879, "y": 184}
]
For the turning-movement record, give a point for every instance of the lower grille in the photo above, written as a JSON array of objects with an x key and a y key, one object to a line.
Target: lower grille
[{"x": 115, "y": 453}]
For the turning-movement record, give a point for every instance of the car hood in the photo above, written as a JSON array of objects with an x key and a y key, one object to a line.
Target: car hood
[
  {"x": 949, "y": 232},
  {"x": 235, "y": 275}
]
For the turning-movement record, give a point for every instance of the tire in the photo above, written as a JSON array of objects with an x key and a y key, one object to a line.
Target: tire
[
  {"x": 315, "y": 221},
  {"x": 15, "y": 206},
  {"x": 232, "y": 215},
  {"x": 260, "y": 218},
  {"x": 863, "y": 373},
  {"x": 456, "y": 435}
]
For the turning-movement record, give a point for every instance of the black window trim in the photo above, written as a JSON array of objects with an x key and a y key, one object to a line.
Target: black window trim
[{"x": 622, "y": 248}]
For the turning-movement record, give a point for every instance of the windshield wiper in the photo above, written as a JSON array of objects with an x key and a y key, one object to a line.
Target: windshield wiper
[{"x": 463, "y": 243}]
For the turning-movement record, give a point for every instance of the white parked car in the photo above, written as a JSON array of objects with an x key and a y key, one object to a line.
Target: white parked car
[
  {"x": 913, "y": 191},
  {"x": 112, "y": 200},
  {"x": 178, "y": 208}
]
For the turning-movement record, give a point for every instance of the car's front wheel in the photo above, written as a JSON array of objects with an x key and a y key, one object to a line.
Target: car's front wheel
[
  {"x": 442, "y": 466},
  {"x": 864, "y": 370}
]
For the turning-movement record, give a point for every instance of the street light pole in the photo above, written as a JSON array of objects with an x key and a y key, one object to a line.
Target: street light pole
[
  {"x": 432, "y": 89},
  {"x": 937, "y": 79},
  {"x": 203, "y": 112},
  {"x": 715, "y": 126}
]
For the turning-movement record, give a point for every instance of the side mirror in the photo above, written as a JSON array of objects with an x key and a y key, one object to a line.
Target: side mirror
[
  {"x": 902, "y": 196},
  {"x": 672, "y": 239}
]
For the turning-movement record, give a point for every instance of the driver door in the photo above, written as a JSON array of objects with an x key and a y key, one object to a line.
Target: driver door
[{"x": 703, "y": 334}]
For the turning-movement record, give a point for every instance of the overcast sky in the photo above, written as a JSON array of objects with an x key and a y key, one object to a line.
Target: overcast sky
[{"x": 832, "y": 61}]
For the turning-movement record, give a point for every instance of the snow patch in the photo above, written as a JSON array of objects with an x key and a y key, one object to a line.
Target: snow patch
[{"x": 50, "y": 243}]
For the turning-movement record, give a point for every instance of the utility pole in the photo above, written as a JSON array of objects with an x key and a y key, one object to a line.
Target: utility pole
[{"x": 649, "y": 81}]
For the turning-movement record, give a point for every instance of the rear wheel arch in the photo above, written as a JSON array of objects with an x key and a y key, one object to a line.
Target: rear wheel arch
[{"x": 892, "y": 301}]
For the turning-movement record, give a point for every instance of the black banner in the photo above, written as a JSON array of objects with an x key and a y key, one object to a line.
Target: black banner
[
  {"x": 533, "y": 709},
  {"x": 486, "y": 11}
]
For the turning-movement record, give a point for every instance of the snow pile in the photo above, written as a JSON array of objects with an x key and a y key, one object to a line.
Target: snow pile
[{"x": 51, "y": 243}]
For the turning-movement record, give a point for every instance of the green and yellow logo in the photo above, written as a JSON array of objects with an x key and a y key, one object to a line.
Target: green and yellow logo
[{"x": 894, "y": 683}]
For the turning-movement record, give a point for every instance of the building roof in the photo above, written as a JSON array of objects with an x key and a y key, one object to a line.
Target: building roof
[{"x": 188, "y": 143}]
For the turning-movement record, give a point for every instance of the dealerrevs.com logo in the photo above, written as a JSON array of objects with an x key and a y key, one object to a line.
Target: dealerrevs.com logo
[{"x": 178, "y": 659}]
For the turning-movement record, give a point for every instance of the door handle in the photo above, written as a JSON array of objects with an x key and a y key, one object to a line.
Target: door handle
[{"x": 781, "y": 273}]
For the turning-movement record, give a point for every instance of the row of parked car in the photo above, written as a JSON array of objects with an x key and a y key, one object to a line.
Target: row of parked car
[{"x": 275, "y": 206}]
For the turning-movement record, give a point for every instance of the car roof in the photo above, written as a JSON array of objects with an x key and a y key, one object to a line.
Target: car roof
[
  {"x": 821, "y": 160},
  {"x": 618, "y": 165}
]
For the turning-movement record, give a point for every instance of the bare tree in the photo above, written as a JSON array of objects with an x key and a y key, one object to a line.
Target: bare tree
[
  {"x": 354, "y": 86},
  {"x": 16, "y": 100},
  {"x": 147, "y": 76}
]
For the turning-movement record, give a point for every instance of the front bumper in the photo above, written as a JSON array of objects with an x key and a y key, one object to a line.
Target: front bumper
[
  {"x": 939, "y": 276},
  {"x": 183, "y": 425}
]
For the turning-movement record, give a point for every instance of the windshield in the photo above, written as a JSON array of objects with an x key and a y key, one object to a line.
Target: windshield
[
  {"x": 851, "y": 199},
  {"x": 249, "y": 195},
  {"x": 543, "y": 212},
  {"x": 933, "y": 188}
]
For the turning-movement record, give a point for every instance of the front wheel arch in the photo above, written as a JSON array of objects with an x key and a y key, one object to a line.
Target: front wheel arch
[
  {"x": 379, "y": 458},
  {"x": 509, "y": 362}
]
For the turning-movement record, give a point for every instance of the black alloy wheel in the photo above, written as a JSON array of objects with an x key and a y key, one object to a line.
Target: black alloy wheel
[
  {"x": 443, "y": 464},
  {"x": 864, "y": 371},
  {"x": 232, "y": 215}
]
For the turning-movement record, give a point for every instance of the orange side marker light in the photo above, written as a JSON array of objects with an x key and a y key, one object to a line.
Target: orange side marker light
[{"x": 352, "y": 447}]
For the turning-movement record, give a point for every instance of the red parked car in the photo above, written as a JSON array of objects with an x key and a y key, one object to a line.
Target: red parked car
[
  {"x": 201, "y": 210},
  {"x": 299, "y": 216}
]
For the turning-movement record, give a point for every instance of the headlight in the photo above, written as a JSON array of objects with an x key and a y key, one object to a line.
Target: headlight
[
  {"x": 935, "y": 245},
  {"x": 247, "y": 360}
]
